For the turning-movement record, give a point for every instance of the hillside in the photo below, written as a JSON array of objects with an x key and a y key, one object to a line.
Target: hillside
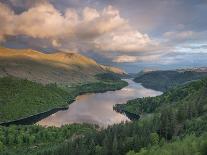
[
  {"x": 173, "y": 123},
  {"x": 59, "y": 67},
  {"x": 22, "y": 98},
  {"x": 188, "y": 97},
  {"x": 163, "y": 80},
  {"x": 180, "y": 117}
]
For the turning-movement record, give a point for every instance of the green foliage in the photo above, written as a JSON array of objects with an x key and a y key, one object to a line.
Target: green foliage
[
  {"x": 163, "y": 80},
  {"x": 177, "y": 124},
  {"x": 34, "y": 137},
  {"x": 190, "y": 145},
  {"x": 189, "y": 100},
  {"x": 160, "y": 134},
  {"x": 1, "y": 146},
  {"x": 21, "y": 98},
  {"x": 101, "y": 86},
  {"x": 154, "y": 137},
  {"x": 108, "y": 77}
]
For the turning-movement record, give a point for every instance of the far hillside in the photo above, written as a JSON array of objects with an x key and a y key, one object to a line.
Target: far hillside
[{"x": 163, "y": 80}]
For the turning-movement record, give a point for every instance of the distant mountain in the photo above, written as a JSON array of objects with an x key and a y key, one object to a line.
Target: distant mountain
[
  {"x": 59, "y": 67},
  {"x": 163, "y": 80},
  {"x": 196, "y": 69}
]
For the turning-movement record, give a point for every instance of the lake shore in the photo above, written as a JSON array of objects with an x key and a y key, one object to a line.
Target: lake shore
[{"x": 32, "y": 119}]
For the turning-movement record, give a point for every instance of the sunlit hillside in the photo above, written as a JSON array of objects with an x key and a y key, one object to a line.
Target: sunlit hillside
[{"x": 59, "y": 67}]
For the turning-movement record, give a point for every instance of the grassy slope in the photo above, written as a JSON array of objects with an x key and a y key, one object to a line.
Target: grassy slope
[
  {"x": 20, "y": 98},
  {"x": 60, "y": 67},
  {"x": 163, "y": 80}
]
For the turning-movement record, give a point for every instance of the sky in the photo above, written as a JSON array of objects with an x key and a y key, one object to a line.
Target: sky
[{"x": 131, "y": 34}]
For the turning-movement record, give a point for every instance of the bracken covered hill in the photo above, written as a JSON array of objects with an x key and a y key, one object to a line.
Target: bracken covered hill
[{"x": 59, "y": 67}]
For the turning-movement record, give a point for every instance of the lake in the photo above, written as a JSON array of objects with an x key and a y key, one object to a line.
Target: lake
[{"x": 97, "y": 108}]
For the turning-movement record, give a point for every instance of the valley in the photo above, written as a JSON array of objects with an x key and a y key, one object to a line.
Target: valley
[
  {"x": 62, "y": 68},
  {"x": 97, "y": 108},
  {"x": 103, "y": 77},
  {"x": 93, "y": 115}
]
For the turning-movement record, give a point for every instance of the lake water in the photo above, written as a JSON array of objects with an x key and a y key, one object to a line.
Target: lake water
[{"x": 97, "y": 108}]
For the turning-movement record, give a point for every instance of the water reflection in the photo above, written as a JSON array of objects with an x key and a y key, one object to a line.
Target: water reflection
[{"x": 98, "y": 108}]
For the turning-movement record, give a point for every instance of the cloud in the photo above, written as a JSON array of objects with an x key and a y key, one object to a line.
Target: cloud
[
  {"x": 41, "y": 21},
  {"x": 179, "y": 35},
  {"x": 102, "y": 30},
  {"x": 131, "y": 59},
  {"x": 126, "y": 40},
  {"x": 186, "y": 41},
  {"x": 185, "y": 36},
  {"x": 125, "y": 58},
  {"x": 197, "y": 46}
]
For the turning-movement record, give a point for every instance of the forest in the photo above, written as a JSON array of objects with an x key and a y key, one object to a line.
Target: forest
[
  {"x": 163, "y": 80},
  {"x": 176, "y": 124},
  {"x": 21, "y": 98},
  {"x": 103, "y": 77}
]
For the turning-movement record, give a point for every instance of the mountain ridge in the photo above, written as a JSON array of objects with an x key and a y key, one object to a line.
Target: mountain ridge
[
  {"x": 58, "y": 67},
  {"x": 163, "y": 80}
]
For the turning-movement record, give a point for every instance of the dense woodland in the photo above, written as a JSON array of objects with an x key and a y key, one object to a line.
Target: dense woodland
[
  {"x": 163, "y": 80},
  {"x": 21, "y": 98},
  {"x": 26, "y": 139},
  {"x": 173, "y": 123}
]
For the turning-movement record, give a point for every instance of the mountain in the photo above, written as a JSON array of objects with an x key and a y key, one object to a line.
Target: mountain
[
  {"x": 163, "y": 80},
  {"x": 59, "y": 67},
  {"x": 196, "y": 69}
]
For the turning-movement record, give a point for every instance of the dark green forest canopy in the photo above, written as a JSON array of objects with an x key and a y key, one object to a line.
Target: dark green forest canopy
[
  {"x": 188, "y": 96},
  {"x": 177, "y": 124},
  {"x": 163, "y": 80},
  {"x": 29, "y": 138},
  {"x": 21, "y": 98}
]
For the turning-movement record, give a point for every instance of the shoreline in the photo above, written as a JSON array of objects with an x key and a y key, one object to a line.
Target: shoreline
[
  {"x": 29, "y": 120},
  {"x": 32, "y": 119},
  {"x": 130, "y": 115}
]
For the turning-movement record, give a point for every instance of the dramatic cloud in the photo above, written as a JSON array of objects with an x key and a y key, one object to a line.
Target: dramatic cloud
[
  {"x": 110, "y": 31},
  {"x": 127, "y": 40},
  {"x": 102, "y": 30},
  {"x": 41, "y": 21}
]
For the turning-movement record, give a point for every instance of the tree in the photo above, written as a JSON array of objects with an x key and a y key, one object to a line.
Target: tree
[
  {"x": 98, "y": 150},
  {"x": 106, "y": 144},
  {"x": 115, "y": 146},
  {"x": 131, "y": 153},
  {"x": 204, "y": 148},
  {"x": 168, "y": 122},
  {"x": 154, "y": 138},
  {"x": 1, "y": 146}
]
